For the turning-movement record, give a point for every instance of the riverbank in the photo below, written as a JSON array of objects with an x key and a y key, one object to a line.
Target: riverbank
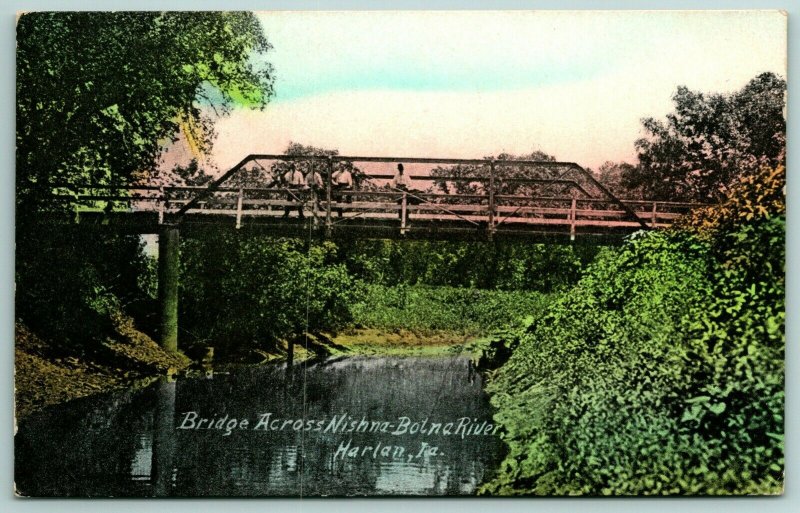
[
  {"x": 47, "y": 375},
  {"x": 356, "y": 342},
  {"x": 375, "y": 342}
]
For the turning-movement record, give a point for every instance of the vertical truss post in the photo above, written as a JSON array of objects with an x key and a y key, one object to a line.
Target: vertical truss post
[
  {"x": 328, "y": 186},
  {"x": 491, "y": 200},
  {"x": 314, "y": 208},
  {"x": 653, "y": 220},
  {"x": 572, "y": 215},
  {"x": 239, "y": 208},
  {"x": 161, "y": 202},
  {"x": 403, "y": 213}
]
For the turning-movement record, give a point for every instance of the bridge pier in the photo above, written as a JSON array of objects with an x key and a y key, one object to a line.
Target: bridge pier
[{"x": 168, "y": 271}]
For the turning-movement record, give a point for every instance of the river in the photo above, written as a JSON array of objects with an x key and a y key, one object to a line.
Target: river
[{"x": 341, "y": 427}]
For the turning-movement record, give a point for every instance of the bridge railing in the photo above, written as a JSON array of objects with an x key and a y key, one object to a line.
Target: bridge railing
[
  {"x": 405, "y": 210},
  {"x": 494, "y": 196}
]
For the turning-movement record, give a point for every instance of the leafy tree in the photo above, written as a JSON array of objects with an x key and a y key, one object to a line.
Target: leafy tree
[
  {"x": 99, "y": 95},
  {"x": 474, "y": 171},
  {"x": 190, "y": 175},
  {"x": 612, "y": 175},
  {"x": 277, "y": 288},
  {"x": 711, "y": 139}
]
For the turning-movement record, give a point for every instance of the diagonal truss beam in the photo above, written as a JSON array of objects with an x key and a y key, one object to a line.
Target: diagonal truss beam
[{"x": 216, "y": 184}]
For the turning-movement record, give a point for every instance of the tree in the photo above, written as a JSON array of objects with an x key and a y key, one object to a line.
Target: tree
[
  {"x": 99, "y": 95},
  {"x": 501, "y": 171},
  {"x": 710, "y": 140},
  {"x": 256, "y": 174},
  {"x": 612, "y": 176}
]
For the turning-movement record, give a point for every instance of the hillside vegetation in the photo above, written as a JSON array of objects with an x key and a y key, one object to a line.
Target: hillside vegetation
[{"x": 662, "y": 370}]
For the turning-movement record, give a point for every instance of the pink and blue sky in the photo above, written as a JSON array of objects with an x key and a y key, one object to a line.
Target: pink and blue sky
[{"x": 477, "y": 83}]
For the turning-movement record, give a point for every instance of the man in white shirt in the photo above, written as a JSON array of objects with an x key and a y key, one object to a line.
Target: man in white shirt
[
  {"x": 402, "y": 182},
  {"x": 342, "y": 181},
  {"x": 294, "y": 180}
]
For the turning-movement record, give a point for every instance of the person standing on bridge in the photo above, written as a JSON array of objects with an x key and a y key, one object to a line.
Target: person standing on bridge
[
  {"x": 314, "y": 180},
  {"x": 294, "y": 180},
  {"x": 402, "y": 182},
  {"x": 342, "y": 181}
]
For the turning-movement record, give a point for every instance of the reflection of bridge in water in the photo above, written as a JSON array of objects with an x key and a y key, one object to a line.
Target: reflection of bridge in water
[{"x": 447, "y": 199}]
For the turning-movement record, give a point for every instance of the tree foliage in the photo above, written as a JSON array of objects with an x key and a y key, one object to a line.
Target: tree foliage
[
  {"x": 754, "y": 196},
  {"x": 613, "y": 176},
  {"x": 662, "y": 370},
  {"x": 424, "y": 308},
  {"x": 241, "y": 290},
  {"x": 710, "y": 140},
  {"x": 100, "y": 94},
  {"x": 501, "y": 172},
  {"x": 483, "y": 265}
]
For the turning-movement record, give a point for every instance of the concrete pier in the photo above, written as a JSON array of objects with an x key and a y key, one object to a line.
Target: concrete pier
[{"x": 168, "y": 272}]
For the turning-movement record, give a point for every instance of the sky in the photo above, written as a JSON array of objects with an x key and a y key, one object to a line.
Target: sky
[{"x": 470, "y": 84}]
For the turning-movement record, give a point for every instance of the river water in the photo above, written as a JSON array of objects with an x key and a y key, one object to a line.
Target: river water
[{"x": 348, "y": 427}]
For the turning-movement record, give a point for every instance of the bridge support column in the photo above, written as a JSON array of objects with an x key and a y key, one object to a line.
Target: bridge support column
[{"x": 168, "y": 270}]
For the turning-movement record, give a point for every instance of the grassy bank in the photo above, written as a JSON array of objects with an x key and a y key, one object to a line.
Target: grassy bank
[
  {"x": 661, "y": 372},
  {"x": 426, "y": 310}
]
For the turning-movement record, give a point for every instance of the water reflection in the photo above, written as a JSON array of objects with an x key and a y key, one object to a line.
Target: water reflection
[{"x": 310, "y": 442}]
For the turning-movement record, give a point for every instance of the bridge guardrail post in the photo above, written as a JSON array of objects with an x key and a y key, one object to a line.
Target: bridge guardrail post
[
  {"x": 654, "y": 219},
  {"x": 572, "y": 216},
  {"x": 239, "y": 201},
  {"x": 403, "y": 213},
  {"x": 161, "y": 201},
  {"x": 328, "y": 185},
  {"x": 491, "y": 200}
]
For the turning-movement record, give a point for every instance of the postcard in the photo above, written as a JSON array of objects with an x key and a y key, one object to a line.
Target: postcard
[{"x": 423, "y": 253}]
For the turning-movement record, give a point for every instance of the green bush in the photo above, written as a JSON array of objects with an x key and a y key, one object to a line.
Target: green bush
[
  {"x": 69, "y": 278},
  {"x": 425, "y": 308},
  {"x": 242, "y": 290},
  {"x": 506, "y": 265},
  {"x": 661, "y": 372}
]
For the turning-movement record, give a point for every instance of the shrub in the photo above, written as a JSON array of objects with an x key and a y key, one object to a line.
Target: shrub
[
  {"x": 425, "y": 308},
  {"x": 244, "y": 290},
  {"x": 661, "y": 372}
]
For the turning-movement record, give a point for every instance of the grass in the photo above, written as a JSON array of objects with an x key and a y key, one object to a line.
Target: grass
[{"x": 426, "y": 310}]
